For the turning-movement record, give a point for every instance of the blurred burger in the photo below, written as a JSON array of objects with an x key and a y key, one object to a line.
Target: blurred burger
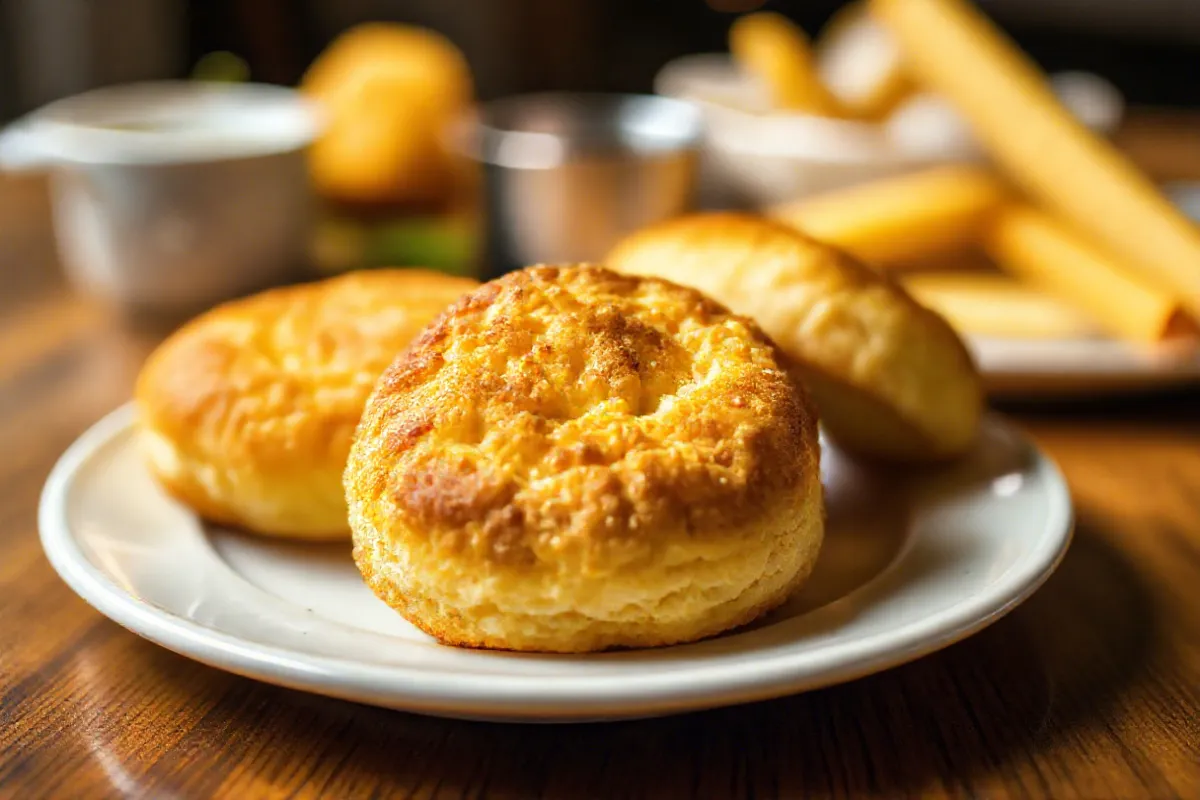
[{"x": 392, "y": 191}]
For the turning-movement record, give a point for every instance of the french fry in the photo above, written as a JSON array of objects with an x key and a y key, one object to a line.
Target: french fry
[
  {"x": 953, "y": 49},
  {"x": 900, "y": 221},
  {"x": 858, "y": 59},
  {"x": 994, "y": 304},
  {"x": 1048, "y": 254},
  {"x": 771, "y": 47}
]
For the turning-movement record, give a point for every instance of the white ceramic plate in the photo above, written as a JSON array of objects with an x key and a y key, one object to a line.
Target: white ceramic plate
[
  {"x": 1070, "y": 368},
  {"x": 911, "y": 564}
]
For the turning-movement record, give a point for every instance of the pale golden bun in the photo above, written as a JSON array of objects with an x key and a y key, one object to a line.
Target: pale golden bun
[
  {"x": 891, "y": 378},
  {"x": 388, "y": 91},
  {"x": 571, "y": 460},
  {"x": 247, "y": 412}
]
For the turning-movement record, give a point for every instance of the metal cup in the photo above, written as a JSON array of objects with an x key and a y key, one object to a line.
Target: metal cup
[{"x": 568, "y": 175}]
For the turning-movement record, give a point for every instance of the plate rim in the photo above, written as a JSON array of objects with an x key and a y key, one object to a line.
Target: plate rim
[
  {"x": 534, "y": 697},
  {"x": 1095, "y": 358}
]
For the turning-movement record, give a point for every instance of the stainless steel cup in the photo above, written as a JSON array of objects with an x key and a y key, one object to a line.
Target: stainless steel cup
[{"x": 567, "y": 175}]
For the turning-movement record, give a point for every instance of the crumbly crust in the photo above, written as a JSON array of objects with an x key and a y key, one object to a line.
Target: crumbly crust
[{"x": 565, "y": 447}]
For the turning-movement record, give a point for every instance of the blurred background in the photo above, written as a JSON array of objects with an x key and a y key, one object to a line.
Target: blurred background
[
  {"x": 54, "y": 48},
  {"x": 392, "y": 188}
]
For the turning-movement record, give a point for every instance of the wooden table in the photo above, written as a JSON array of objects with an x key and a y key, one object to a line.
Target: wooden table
[{"x": 1091, "y": 689}]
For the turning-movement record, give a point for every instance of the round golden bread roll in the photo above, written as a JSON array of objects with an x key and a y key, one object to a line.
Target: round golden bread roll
[
  {"x": 891, "y": 378},
  {"x": 247, "y": 412},
  {"x": 388, "y": 91},
  {"x": 571, "y": 460}
]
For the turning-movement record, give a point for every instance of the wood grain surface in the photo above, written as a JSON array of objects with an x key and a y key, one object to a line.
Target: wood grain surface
[{"x": 1091, "y": 689}]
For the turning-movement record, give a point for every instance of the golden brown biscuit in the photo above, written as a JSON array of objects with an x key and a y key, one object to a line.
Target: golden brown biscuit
[
  {"x": 571, "y": 460},
  {"x": 247, "y": 412},
  {"x": 891, "y": 378}
]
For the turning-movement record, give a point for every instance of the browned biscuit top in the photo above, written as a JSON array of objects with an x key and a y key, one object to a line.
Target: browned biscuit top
[
  {"x": 280, "y": 378},
  {"x": 574, "y": 417}
]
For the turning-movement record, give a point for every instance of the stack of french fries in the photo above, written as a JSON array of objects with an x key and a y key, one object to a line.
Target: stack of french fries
[{"x": 1073, "y": 238}]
